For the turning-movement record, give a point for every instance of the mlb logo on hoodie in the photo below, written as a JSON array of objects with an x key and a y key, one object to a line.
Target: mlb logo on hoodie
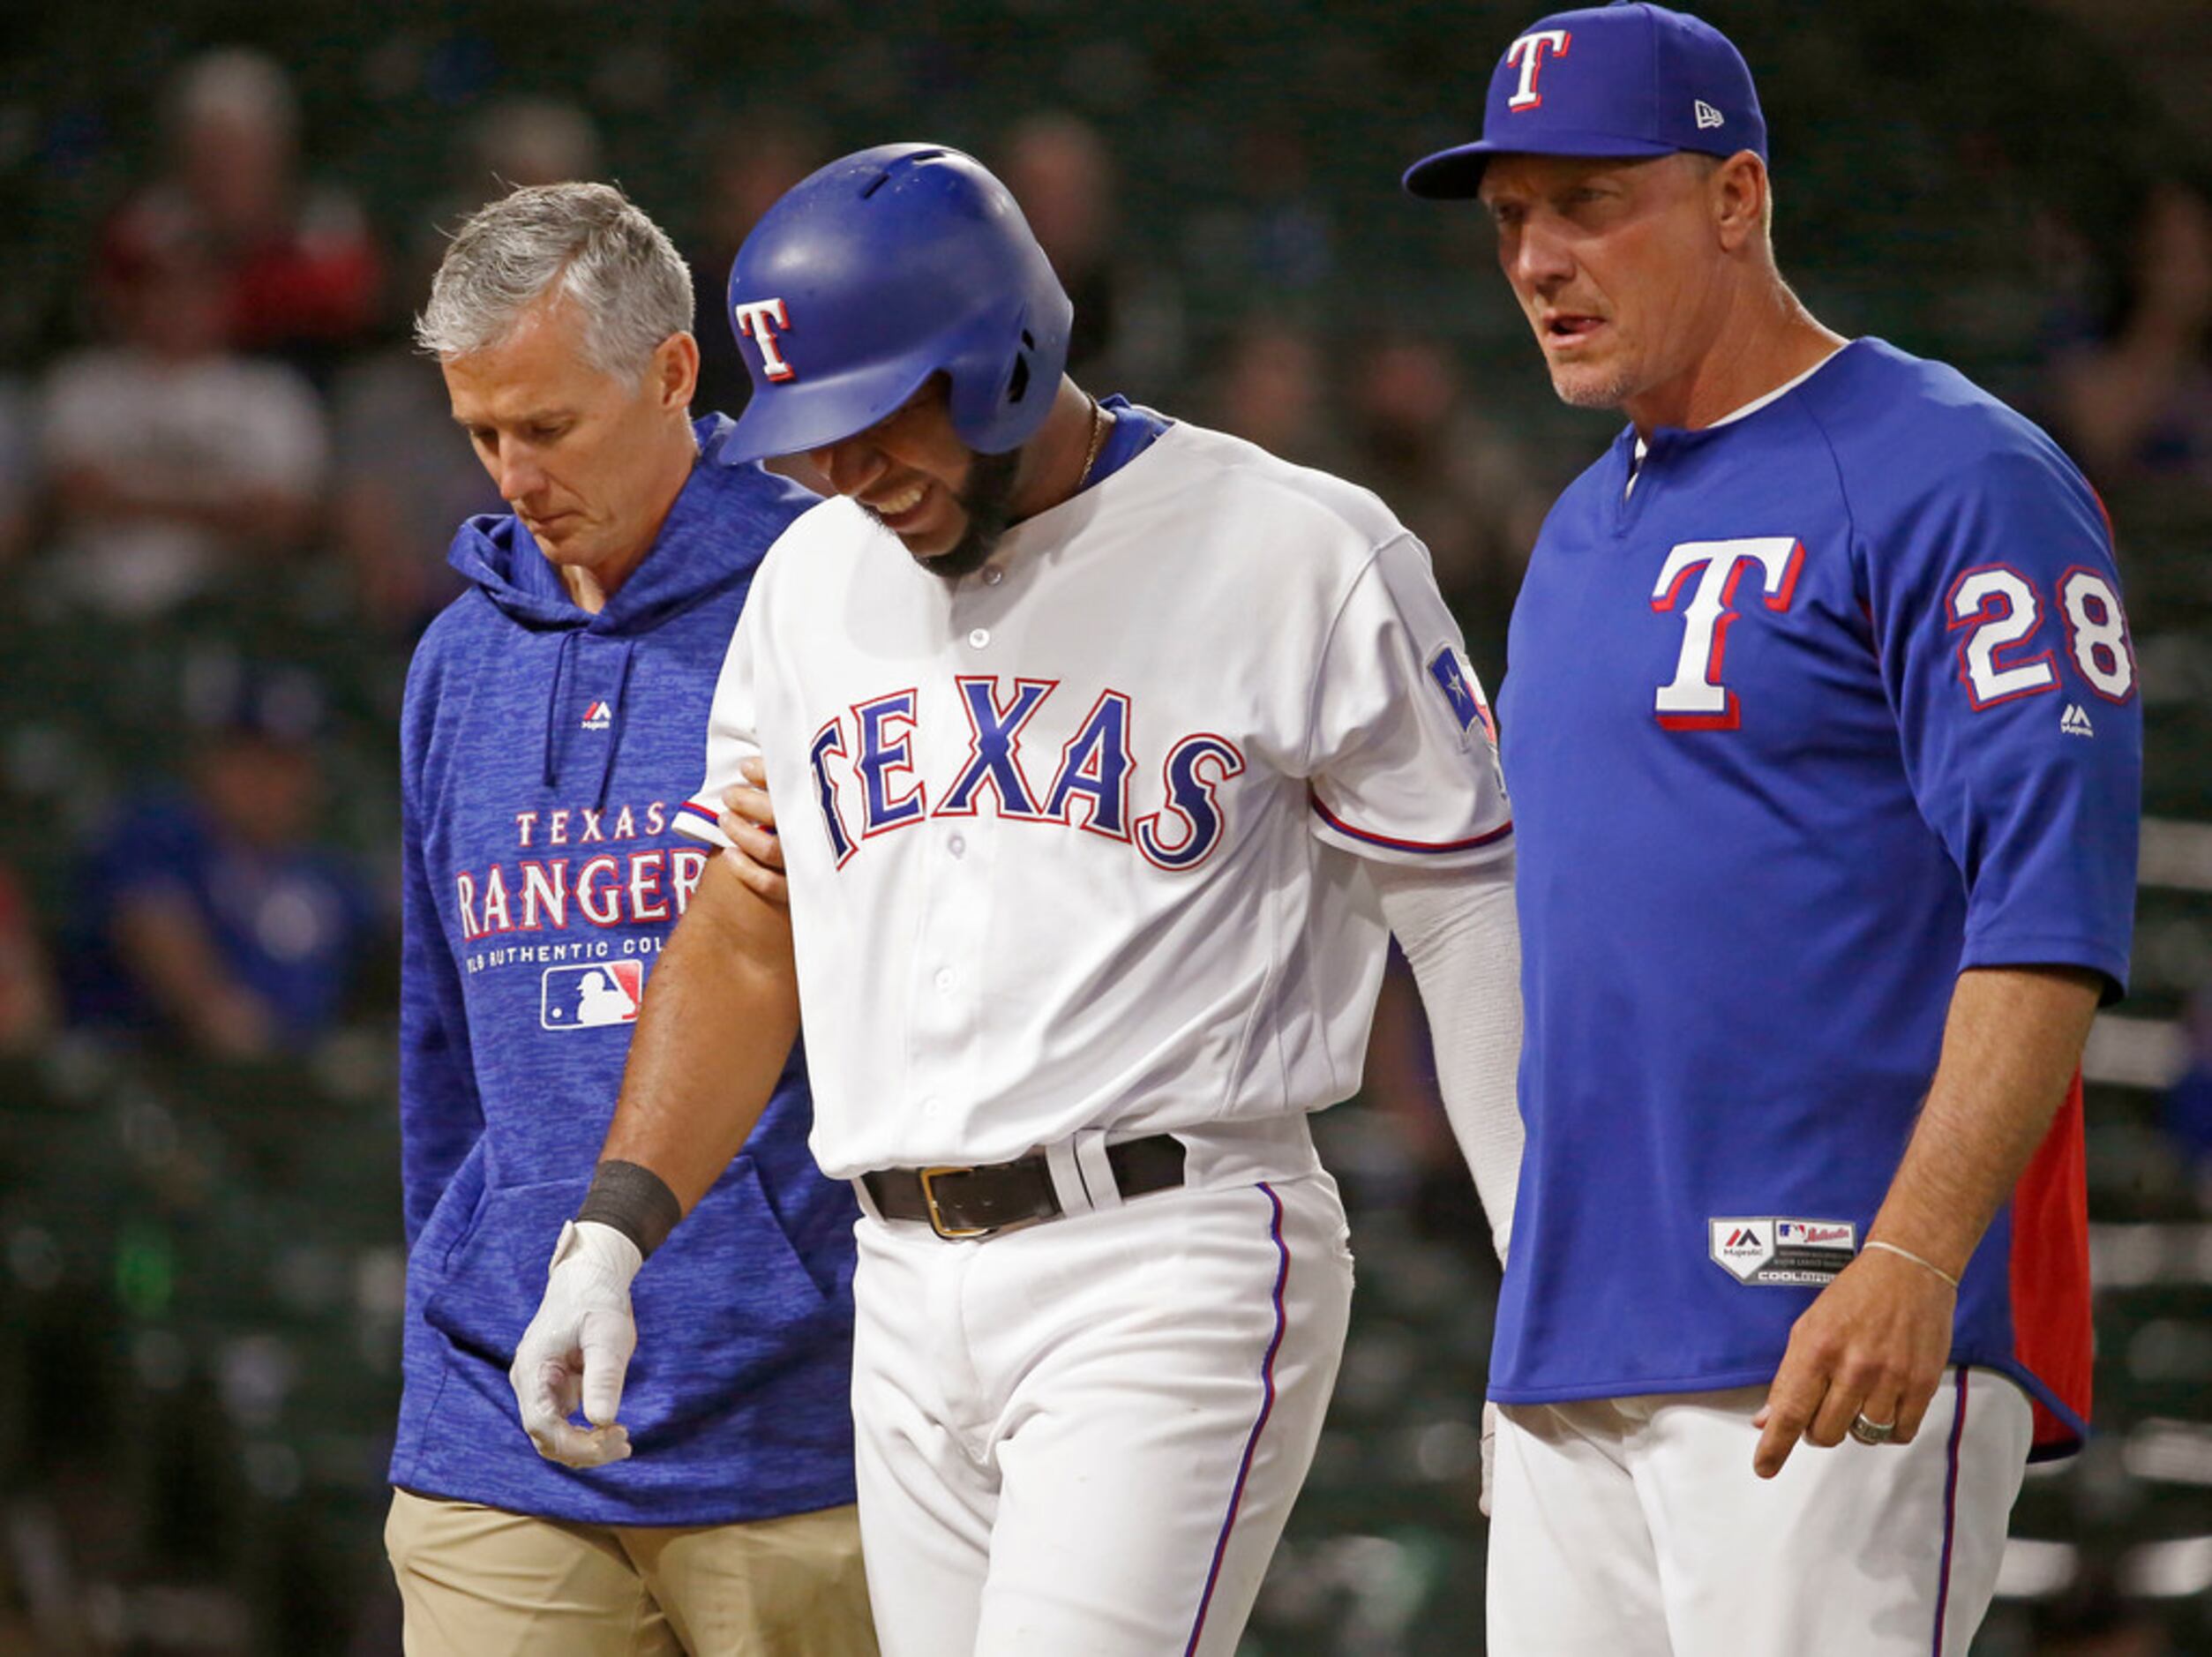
[
  {"x": 599, "y": 715},
  {"x": 589, "y": 997}
]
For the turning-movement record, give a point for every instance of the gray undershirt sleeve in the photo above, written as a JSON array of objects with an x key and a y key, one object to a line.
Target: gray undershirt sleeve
[{"x": 1458, "y": 928}]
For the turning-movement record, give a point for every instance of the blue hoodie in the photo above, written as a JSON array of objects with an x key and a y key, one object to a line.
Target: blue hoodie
[{"x": 545, "y": 751}]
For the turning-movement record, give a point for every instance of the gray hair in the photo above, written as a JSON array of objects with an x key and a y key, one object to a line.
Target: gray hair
[{"x": 587, "y": 242}]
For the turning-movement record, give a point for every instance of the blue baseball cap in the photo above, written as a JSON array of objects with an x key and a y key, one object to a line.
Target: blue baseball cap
[{"x": 1625, "y": 79}]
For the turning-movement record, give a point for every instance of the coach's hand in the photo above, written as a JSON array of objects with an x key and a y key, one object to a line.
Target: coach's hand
[
  {"x": 578, "y": 1347},
  {"x": 1874, "y": 1342},
  {"x": 748, "y": 818}
]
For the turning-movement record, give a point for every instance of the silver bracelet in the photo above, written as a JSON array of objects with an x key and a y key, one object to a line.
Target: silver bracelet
[{"x": 1907, "y": 1253}]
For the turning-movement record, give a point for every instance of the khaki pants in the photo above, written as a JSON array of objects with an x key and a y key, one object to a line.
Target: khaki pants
[{"x": 481, "y": 1582}]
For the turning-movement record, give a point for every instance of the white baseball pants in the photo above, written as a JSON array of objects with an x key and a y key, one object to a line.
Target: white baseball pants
[
  {"x": 1635, "y": 1527},
  {"x": 1083, "y": 1438}
]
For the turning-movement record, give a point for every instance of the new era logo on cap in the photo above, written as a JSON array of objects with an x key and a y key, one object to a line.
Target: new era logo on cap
[{"x": 1626, "y": 80}]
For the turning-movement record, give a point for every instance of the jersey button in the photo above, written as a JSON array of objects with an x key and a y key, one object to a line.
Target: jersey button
[
  {"x": 944, "y": 980},
  {"x": 980, "y": 637},
  {"x": 993, "y": 575},
  {"x": 958, "y": 845}
]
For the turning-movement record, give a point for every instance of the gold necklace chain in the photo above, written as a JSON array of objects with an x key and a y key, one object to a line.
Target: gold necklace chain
[{"x": 1099, "y": 423}]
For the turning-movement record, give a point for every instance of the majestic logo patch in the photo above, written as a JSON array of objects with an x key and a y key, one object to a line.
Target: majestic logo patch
[
  {"x": 2075, "y": 723},
  {"x": 591, "y": 997},
  {"x": 760, "y": 320},
  {"x": 1707, "y": 116},
  {"x": 598, "y": 716},
  {"x": 1783, "y": 1252}
]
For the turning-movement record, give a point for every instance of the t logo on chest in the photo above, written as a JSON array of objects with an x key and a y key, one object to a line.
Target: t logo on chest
[
  {"x": 872, "y": 743},
  {"x": 1697, "y": 699}
]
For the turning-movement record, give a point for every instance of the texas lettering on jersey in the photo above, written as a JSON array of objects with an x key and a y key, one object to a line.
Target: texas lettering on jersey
[{"x": 865, "y": 782}]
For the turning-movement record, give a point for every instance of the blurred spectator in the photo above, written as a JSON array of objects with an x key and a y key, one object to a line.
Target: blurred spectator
[
  {"x": 27, "y": 1003},
  {"x": 408, "y": 478},
  {"x": 2186, "y": 1109},
  {"x": 2137, "y": 401},
  {"x": 1268, "y": 389},
  {"x": 2093, "y": 1619},
  {"x": 167, "y": 456},
  {"x": 749, "y": 160},
  {"x": 1456, "y": 481},
  {"x": 1128, "y": 329},
  {"x": 212, "y": 916},
  {"x": 514, "y": 142},
  {"x": 297, "y": 266},
  {"x": 523, "y": 141},
  {"x": 1291, "y": 237},
  {"x": 19, "y": 467}
]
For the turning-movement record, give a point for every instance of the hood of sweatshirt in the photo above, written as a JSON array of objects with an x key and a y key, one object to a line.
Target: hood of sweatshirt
[{"x": 688, "y": 565}]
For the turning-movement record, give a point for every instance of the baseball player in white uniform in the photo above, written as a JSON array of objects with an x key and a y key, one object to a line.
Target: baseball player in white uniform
[{"x": 1108, "y": 748}]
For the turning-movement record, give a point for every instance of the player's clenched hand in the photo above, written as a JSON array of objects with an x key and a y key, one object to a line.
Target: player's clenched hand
[
  {"x": 1875, "y": 1341},
  {"x": 578, "y": 1347},
  {"x": 748, "y": 818}
]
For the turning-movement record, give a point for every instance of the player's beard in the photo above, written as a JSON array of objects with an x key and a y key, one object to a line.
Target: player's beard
[{"x": 988, "y": 500}]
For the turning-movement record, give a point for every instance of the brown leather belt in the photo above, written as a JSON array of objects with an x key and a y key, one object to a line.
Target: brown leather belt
[{"x": 958, "y": 1202}]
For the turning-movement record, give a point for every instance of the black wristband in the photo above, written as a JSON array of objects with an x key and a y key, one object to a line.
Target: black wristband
[{"x": 635, "y": 1201}]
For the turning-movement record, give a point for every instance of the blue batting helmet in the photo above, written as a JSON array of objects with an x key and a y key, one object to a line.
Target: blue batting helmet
[{"x": 882, "y": 269}]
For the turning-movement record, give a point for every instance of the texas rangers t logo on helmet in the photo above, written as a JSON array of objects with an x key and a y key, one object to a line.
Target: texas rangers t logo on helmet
[
  {"x": 758, "y": 320},
  {"x": 1527, "y": 55}
]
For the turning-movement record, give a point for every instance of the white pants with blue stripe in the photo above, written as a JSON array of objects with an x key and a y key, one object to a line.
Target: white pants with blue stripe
[
  {"x": 1083, "y": 1439},
  {"x": 1635, "y": 1527}
]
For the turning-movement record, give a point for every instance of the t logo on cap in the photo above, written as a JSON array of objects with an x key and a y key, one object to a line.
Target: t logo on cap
[
  {"x": 758, "y": 320},
  {"x": 1647, "y": 81},
  {"x": 1527, "y": 55}
]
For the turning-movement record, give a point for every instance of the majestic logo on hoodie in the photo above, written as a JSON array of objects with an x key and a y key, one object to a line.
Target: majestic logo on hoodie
[{"x": 599, "y": 715}]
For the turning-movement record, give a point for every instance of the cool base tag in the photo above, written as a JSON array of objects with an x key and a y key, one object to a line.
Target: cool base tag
[{"x": 1787, "y": 1253}]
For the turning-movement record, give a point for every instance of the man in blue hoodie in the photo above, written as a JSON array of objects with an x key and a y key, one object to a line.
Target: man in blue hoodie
[{"x": 549, "y": 734}]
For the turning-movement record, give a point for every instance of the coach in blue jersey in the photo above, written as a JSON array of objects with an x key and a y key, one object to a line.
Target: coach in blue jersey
[
  {"x": 551, "y": 732},
  {"x": 1821, "y": 725}
]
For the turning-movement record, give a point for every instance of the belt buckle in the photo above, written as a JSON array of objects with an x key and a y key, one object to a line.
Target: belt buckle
[{"x": 950, "y": 1233}]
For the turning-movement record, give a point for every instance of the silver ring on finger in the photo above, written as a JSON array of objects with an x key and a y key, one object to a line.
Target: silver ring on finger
[{"x": 1872, "y": 1432}]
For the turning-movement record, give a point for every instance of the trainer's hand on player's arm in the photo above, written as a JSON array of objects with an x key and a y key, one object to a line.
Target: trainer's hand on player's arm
[
  {"x": 577, "y": 1349},
  {"x": 1875, "y": 1342},
  {"x": 748, "y": 817}
]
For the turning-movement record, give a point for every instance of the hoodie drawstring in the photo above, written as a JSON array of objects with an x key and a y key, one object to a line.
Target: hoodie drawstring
[
  {"x": 553, "y": 708},
  {"x": 621, "y": 716}
]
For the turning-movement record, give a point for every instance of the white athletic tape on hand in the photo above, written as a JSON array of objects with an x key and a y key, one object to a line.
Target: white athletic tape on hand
[{"x": 578, "y": 1347}]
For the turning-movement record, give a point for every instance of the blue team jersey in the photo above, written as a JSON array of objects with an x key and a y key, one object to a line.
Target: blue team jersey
[{"x": 1836, "y": 698}]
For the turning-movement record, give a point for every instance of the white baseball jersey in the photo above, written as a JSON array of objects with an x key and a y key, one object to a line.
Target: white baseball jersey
[{"x": 1075, "y": 843}]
